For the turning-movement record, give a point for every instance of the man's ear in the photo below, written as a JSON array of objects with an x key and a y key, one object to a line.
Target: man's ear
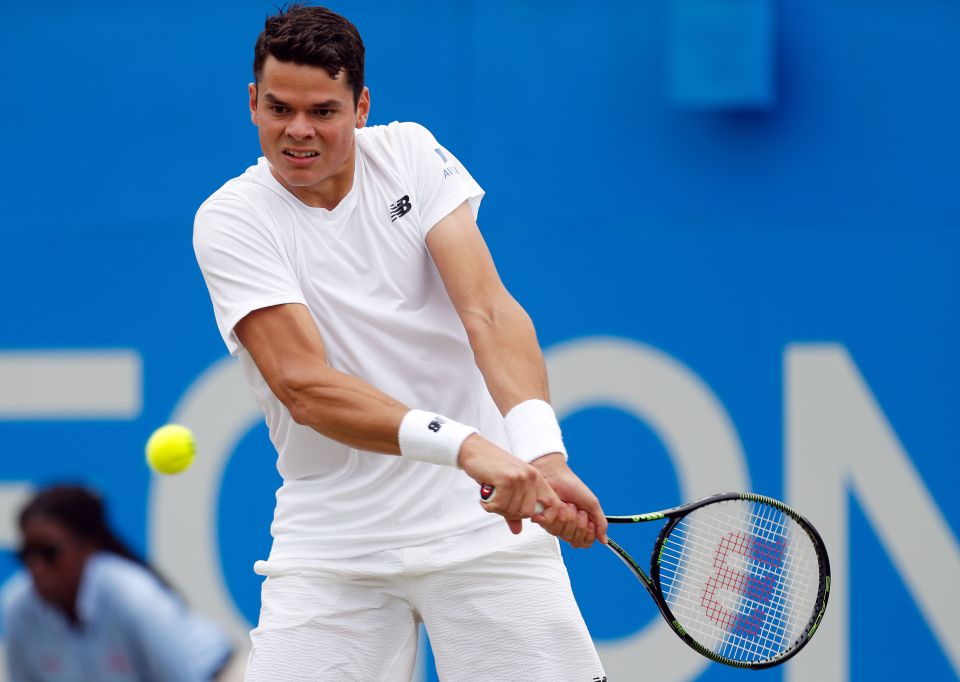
[
  {"x": 252, "y": 88},
  {"x": 363, "y": 107}
]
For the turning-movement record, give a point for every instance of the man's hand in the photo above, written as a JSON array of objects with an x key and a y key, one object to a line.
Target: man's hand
[
  {"x": 580, "y": 520},
  {"x": 519, "y": 486}
]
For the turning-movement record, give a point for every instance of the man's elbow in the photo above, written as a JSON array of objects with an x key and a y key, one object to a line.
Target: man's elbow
[
  {"x": 297, "y": 393},
  {"x": 480, "y": 321},
  {"x": 299, "y": 412}
]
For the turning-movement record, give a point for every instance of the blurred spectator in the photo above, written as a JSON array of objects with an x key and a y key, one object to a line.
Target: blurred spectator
[{"x": 87, "y": 610}]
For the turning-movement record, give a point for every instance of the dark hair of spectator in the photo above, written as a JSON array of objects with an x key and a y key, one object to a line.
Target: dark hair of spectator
[{"x": 82, "y": 513}]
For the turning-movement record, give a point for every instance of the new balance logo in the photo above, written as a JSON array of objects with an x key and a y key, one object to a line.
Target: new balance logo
[
  {"x": 437, "y": 422},
  {"x": 400, "y": 207}
]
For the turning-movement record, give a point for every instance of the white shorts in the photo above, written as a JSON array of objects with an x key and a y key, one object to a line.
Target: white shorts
[{"x": 496, "y": 607}]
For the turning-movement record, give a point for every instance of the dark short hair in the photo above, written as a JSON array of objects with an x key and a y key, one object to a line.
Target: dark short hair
[{"x": 314, "y": 36}]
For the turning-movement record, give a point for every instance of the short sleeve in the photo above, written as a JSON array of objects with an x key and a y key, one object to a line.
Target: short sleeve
[
  {"x": 442, "y": 181},
  {"x": 243, "y": 264}
]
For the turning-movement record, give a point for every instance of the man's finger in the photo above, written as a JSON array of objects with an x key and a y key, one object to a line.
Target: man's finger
[
  {"x": 583, "y": 525},
  {"x": 547, "y": 517},
  {"x": 547, "y": 499},
  {"x": 598, "y": 520},
  {"x": 531, "y": 502},
  {"x": 570, "y": 527}
]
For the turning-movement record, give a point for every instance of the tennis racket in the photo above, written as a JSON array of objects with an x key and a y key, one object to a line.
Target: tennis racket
[{"x": 741, "y": 578}]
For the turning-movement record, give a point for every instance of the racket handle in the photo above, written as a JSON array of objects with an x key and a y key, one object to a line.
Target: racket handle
[{"x": 487, "y": 492}]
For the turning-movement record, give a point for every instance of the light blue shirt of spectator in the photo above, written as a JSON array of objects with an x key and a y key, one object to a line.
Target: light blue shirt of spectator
[{"x": 131, "y": 628}]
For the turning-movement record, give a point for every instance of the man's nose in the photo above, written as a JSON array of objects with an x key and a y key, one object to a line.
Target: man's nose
[{"x": 300, "y": 128}]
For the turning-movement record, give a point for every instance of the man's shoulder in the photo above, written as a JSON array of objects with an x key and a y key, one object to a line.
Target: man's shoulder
[
  {"x": 397, "y": 133},
  {"x": 247, "y": 202},
  {"x": 250, "y": 189}
]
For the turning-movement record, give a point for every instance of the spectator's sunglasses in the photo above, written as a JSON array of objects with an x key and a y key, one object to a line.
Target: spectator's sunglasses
[{"x": 47, "y": 551}]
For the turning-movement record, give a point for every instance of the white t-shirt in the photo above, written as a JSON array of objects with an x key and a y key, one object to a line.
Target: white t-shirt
[{"x": 364, "y": 272}]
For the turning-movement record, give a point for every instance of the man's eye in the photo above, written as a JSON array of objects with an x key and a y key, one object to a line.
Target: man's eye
[
  {"x": 278, "y": 109},
  {"x": 323, "y": 113}
]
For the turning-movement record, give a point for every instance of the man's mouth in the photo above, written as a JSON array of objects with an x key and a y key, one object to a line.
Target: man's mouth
[{"x": 300, "y": 154}]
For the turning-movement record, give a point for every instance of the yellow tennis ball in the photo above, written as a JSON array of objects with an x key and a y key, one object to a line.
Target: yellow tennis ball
[{"x": 170, "y": 449}]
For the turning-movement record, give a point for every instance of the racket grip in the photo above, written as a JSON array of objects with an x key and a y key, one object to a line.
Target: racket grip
[{"x": 487, "y": 492}]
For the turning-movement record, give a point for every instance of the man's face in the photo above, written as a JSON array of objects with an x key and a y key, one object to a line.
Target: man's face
[{"x": 306, "y": 121}]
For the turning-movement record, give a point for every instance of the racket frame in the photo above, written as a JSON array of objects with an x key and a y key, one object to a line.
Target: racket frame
[{"x": 652, "y": 581}]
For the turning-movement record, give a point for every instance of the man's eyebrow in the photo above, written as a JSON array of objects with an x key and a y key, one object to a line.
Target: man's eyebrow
[{"x": 326, "y": 104}]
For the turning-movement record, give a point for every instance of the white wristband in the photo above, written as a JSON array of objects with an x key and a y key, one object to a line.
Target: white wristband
[
  {"x": 430, "y": 437},
  {"x": 533, "y": 430}
]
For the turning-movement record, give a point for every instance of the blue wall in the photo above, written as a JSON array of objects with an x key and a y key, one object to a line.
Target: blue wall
[{"x": 720, "y": 238}]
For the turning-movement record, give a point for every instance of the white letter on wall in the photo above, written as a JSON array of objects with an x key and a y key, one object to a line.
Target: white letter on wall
[{"x": 837, "y": 440}]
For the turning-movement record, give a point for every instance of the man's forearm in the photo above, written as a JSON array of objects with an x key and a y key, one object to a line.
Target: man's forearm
[
  {"x": 506, "y": 350},
  {"x": 345, "y": 409}
]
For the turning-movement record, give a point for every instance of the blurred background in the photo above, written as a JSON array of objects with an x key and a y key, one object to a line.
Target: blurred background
[{"x": 735, "y": 223}]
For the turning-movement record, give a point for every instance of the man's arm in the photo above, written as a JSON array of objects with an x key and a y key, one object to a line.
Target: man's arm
[
  {"x": 505, "y": 346},
  {"x": 288, "y": 350}
]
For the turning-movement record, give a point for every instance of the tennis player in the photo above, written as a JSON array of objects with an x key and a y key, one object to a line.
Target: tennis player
[{"x": 396, "y": 373}]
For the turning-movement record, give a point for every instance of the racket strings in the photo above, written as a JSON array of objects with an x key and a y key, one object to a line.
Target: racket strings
[
  {"x": 757, "y": 619},
  {"x": 740, "y": 637},
  {"x": 768, "y": 627},
  {"x": 794, "y": 577},
  {"x": 742, "y": 579},
  {"x": 764, "y": 640}
]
